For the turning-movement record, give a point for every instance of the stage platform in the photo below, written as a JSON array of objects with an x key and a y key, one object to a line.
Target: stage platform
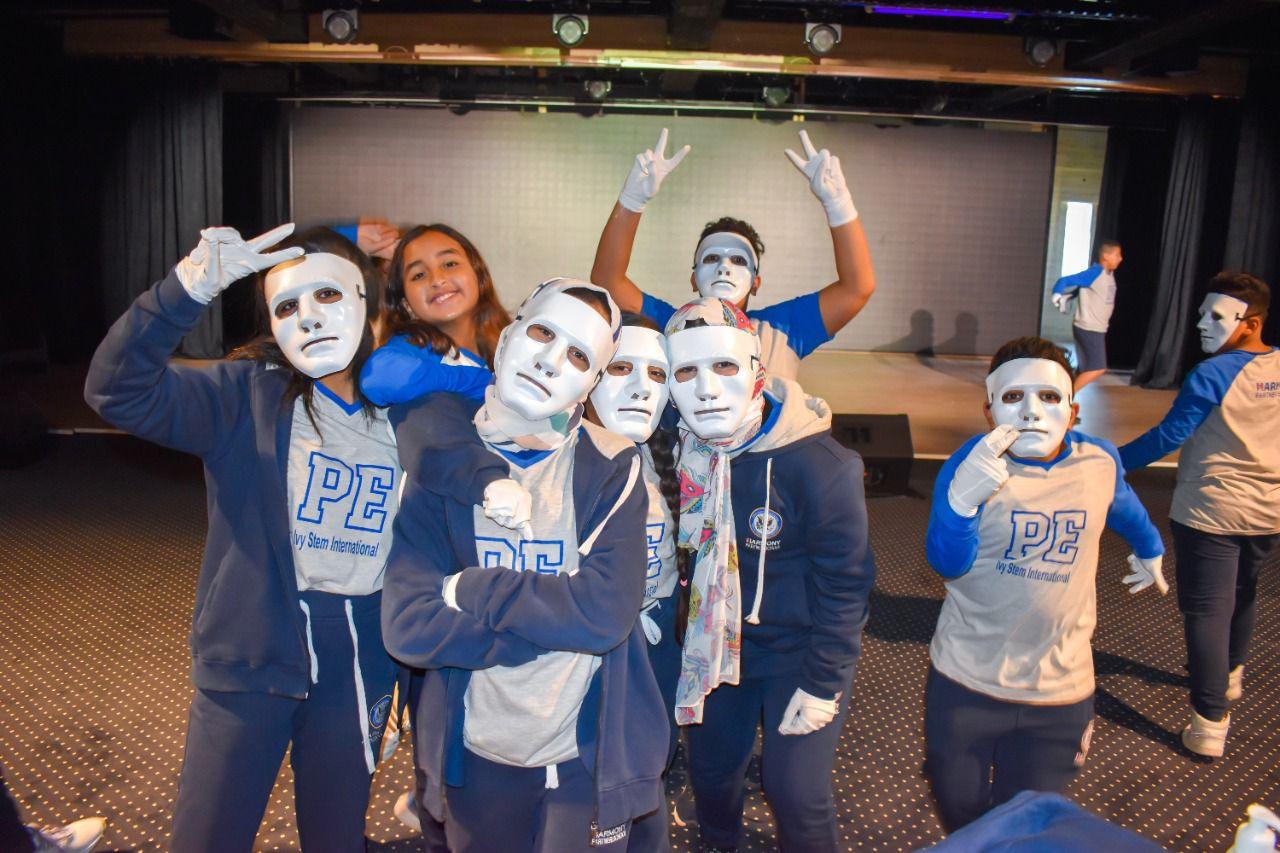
[{"x": 102, "y": 541}]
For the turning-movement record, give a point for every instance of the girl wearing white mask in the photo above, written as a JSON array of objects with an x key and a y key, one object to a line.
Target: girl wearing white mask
[
  {"x": 540, "y": 726},
  {"x": 303, "y": 488},
  {"x": 781, "y": 579},
  {"x": 726, "y": 262},
  {"x": 1225, "y": 516},
  {"x": 1014, "y": 530}
]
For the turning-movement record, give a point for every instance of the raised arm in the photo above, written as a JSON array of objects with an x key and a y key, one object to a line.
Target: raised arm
[
  {"x": 1201, "y": 392},
  {"x": 131, "y": 382},
  {"x": 613, "y": 253},
  {"x": 401, "y": 372},
  {"x": 842, "y": 299},
  {"x": 969, "y": 479}
]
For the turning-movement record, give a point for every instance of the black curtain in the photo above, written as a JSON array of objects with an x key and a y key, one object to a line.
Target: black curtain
[
  {"x": 1186, "y": 201},
  {"x": 163, "y": 184},
  {"x": 1253, "y": 237}
]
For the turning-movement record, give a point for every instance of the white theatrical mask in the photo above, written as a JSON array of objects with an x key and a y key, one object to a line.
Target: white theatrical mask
[
  {"x": 1220, "y": 316},
  {"x": 548, "y": 360},
  {"x": 633, "y": 390},
  {"x": 721, "y": 394},
  {"x": 725, "y": 266},
  {"x": 1032, "y": 395},
  {"x": 318, "y": 308}
]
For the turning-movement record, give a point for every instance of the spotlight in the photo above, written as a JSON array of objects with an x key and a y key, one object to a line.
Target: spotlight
[
  {"x": 935, "y": 103},
  {"x": 341, "y": 24},
  {"x": 776, "y": 96},
  {"x": 821, "y": 39},
  {"x": 597, "y": 90},
  {"x": 569, "y": 29},
  {"x": 1040, "y": 51}
]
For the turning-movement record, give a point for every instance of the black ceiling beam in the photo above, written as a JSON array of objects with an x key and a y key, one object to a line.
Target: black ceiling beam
[
  {"x": 266, "y": 18},
  {"x": 690, "y": 23},
  {"x": 1169, "y": 33}
]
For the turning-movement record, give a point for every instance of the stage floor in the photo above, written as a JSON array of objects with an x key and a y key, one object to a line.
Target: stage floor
[{"x": 101, "y": 544}]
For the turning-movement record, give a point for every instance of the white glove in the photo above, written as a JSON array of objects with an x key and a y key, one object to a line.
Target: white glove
[
  {"x": 1062, "y": 301},
  {"x": 806, "y": 714},
  {"x": 223, "y": 257},
  {"x": 822, "y": 168},
  {"x": 1144, "y": 573},
  {"x": 647, "y": 174},
  {"x": 982, "y": 472},
  {"x": 449, "y": 592},
  {"x": 509, "y": 504}
]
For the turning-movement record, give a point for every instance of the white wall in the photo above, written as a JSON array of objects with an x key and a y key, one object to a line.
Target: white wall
[{"x": 956, "y": 216}]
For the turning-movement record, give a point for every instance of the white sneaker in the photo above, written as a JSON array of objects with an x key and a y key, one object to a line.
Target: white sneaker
[
  {"x": 1235, "y": 684},
  {"x": 406, "y": 811},
  {"x": 78, "y": 837},
  {"x": 1205, "y": 737}
]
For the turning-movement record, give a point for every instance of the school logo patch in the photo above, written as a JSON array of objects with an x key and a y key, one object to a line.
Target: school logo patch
[
  {"x": 1085, "y": 740},
  {"x": 379, "y": 712},
  {"x": 761, "y": 528}
]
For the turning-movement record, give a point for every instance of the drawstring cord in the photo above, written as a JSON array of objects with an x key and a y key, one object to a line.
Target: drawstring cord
[
  {"x": 361, "y": 707},
  {"x": 311, "y": 646},
  {"x": 754, "y": 617}
]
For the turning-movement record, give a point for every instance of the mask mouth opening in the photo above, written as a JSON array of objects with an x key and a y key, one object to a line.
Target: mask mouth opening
[
  {"x": 535, "y": 383},
  {"x": 703, "y": 413},
  {"x": 645, "y": 412},
  {"x": 311, "y": 343}
]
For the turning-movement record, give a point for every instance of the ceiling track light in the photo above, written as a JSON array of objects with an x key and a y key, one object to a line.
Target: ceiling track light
[
  {"x": 569, "y": 29},
  {"x": 821, "y": 39},
  {"x": 775, "y": 96},
  {"x": 341, "y": 24},
  {"x": 1040, "y": 51},
  {"x": 597, "y": 90}
]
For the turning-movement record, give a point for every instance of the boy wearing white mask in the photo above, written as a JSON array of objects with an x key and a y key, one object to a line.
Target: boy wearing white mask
[
  {"x": 1014, "y": 529},
  {"x": 782, "y": 576},
  {"x": 726, "y": 263},
  {"x": 539, "y": 725},
  {"x": 1225, "y": 515},
  {"x": 303, "y": 485}
]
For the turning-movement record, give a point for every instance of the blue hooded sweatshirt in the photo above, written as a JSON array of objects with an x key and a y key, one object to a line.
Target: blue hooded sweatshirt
[
  {"x": 248, "y": 632},
  {"x": 508, "y": 618}
]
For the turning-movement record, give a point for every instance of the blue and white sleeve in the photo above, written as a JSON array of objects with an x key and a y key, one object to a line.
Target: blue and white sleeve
[
  {"x": 401, "y": 372},
  {"x": 951, "y": 543},
  {"x": 1075, "y": 281},
  {"x": 1202, "y": 391},
  {"x": 1126, "y": 515},
  {"x": 800, "y": 319},
  {"x": 657, "y": 310},
  {"x": 350, "y": 230}
]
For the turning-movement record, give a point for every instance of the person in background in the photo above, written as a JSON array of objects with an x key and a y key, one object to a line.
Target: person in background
[
  {"x": 1225, "y": 515},
  {"x": 1014, "y": 528},
  {"x": 726, "y": 262},
  {"x": 1095, "y": 292}
]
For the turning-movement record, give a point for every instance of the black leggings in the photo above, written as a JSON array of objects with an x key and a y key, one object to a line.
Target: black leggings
[{"x": 1217, "y": 587}]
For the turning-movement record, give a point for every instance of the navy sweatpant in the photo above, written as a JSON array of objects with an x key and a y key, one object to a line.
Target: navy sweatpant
[
  {"x": 1217, "y": 587},
  {"x": 236, "y": 741},
  {"x": 796, "y": 769},
  {"x": 14, "y": 837},
  {"x": 503, "y": 808},
  {"x": 434, "y": 839},
  {"x": 649, "y": 834},
  {"x": 980, "y": 751}
]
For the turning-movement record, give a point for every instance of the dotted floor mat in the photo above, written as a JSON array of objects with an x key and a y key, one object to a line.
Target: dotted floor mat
[{"x": 99, "y": 548}]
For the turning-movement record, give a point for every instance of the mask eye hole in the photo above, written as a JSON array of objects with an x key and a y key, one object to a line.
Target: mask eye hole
[
  {"x": 540, "y": 333},
  {"x": 711, "y": 258},
  {"x": 1053, "y": 398},
  {"x": 726, "y": 368},
  {"x": 285, "y": 308},
  {"x": 684, "y": 374},
  {"x": 739, "y": 260},
  {"x": 1011, "y": 397},
  {"x": 328, "y": 295},
  {"x": 619, "y": 368},
  {"x": 657, "y": 374},
  {"x": 579, "y": 359}
]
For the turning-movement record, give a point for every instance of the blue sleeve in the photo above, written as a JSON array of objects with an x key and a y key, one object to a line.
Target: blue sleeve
[
  {"x": 1127, "y": 516},
  {"x": 418, "y": 628},
  {"x": 1202, "y": 391},
  {"x": 657, "y": 310},
  {"x": 439, "y": 448},
  {"x": 800, "y": 319},
  {"x": 1068, "y": 283},
  {"x": 350, "y": 230},
  {"x": 951, "y": 543},
  {"x": 132, "y": 384},
  {"x": 843, "y": 571},
  {"x": 591, "y": 611},
  {"x": 401, "y": 372}
]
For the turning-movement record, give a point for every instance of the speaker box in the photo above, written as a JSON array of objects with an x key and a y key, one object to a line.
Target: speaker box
[{"x": 884, "y": 443}]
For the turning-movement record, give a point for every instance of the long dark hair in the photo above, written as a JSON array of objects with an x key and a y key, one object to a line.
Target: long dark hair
[
  {"x": 490, "y": 317},
  {"x": 264, "y": 348}
]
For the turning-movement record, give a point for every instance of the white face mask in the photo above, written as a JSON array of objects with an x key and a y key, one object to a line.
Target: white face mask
[
  {"x": 629, "y": 399},
  {"x": 725, "y": 266},
  {"x": 1220, "y": 316},
  {"x": 1033, "y": 395},
  {"x": 721, "y": 394},
  {"x": 317, "y": 306},
  {"x": 548, "y": 361}
]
